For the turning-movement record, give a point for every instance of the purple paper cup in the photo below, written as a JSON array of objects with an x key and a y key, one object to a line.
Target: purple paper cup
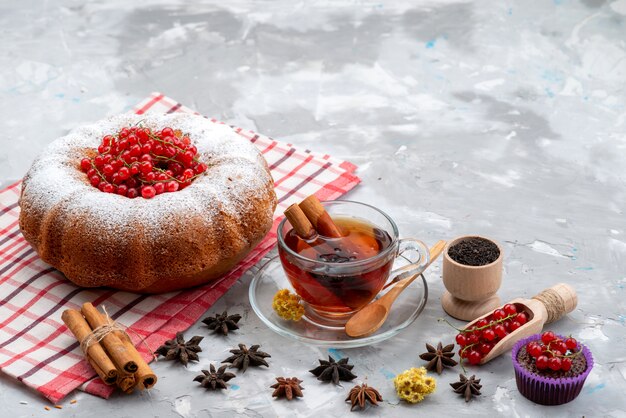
[{"x": 548, "y": 390}]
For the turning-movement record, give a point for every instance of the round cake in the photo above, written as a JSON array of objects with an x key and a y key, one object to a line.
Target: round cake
[{"x": 167, "y": 242}]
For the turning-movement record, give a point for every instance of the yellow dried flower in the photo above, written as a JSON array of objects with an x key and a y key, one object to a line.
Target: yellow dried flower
[
  {"x": 287, "y": 305},
  {"x": 414, "y": 384}
]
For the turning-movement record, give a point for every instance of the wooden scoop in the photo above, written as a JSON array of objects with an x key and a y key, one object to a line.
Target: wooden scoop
[
  {"x": 369, "y": 319},
  {"x": 546, "y": 307}
]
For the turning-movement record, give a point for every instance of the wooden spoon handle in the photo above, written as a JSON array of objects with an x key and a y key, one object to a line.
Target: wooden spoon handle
[{"x": 558, "y": 300}]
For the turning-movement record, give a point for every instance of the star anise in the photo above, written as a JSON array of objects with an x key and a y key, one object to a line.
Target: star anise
[
  {"x": 289, "y": 387},
  {"x": 223, "y": 323},
  {"x": 181, "y": 350},
  {"x": 332, "y": 371},
  {"x": 214, "y": 379},
  {"x": 361, "y": 393},
  {"x": 467, "y": 387},
  {"x": 439, "y": 357},
  {"x": 244, "y": 357}
]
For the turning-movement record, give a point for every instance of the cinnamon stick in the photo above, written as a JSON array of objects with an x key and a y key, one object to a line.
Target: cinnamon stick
[
  {"x": 300, "y": 223},
  {"x": 96, "y": 355},
  {"x": 319, "y": 218},
  {"x": 120, "y": 356},
  {"x": 126, "y": 382},
  {"x": 144, "y": 376}
]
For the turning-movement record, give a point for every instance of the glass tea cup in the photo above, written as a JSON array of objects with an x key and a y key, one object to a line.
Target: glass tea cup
[{"x": 336, "y": 277}]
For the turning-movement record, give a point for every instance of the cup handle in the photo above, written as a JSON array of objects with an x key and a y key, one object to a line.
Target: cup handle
[{"x": 416, "y": 267}]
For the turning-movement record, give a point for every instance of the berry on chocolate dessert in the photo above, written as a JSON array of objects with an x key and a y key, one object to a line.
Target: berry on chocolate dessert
[
  {"x": 137, "y": 161},
  {"x": 552, "y": 356}
]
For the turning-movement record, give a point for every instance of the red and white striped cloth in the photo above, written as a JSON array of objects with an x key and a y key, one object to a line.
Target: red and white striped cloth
[{"x": 35, "y": 346}]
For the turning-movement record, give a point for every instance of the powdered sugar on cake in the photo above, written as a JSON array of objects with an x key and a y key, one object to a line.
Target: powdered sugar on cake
[{"x": 235, "y": 177}]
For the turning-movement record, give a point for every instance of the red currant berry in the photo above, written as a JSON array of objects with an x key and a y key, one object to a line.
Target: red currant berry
[
  {"x": 148, "y": 192},
  {"x": 135, "y": 150},
  {"x": 200, "y": 168},
  {"x": 98, "y": 161},
  {"x": 132, "y": 139},
  {"x": 554, "y": 363},
  {"x": 485, "y": 348},
  {"x": 94, "y": 180},
  {"x": 481, "y": 323},
  {"x": 509, "y": 309},
  {"x": 146, "y": 157},
  {"x": 489, "y": 334},
  {"x": 124, "y": 132},
  {"x": 566, "y": 364},
  {"x": 85, "y": 164},
  {"x": 542, "y": 362},
  {"x": 499, "y": 314},
  {"x": 535, "y": 350},
  {"x": 472, "y": 339},
  {"x": 507, "y": 325},
  {"x": 169, "y": 152},
  {"x": 474, "y": 357},
  {"x": 145, "y": 148},
  {"x": 547, "y": 337},
  {"x": 460, "y": 338},
  {"x": 149, "y": 176},
  {"x": 188, "y": 173},
  {"x": 107, "y": 140},
  {"x": 132, "y": 193},
  {"x": 92, "y": 172},
  {"x": 145, "y": 167},
  {"x": 186, "y": 141},
  {"x": 172, "y": 186},
  {"x": 123, "y": 173},
  {"x": 515, "y": 325},
  {"x": 560, "y": 345},
  {"x": 134, "y": 169},
  {"x": 571, "y": 343},
  {"x": 161, "y": 177},
  {"x": 500, "y": 331},
  {"x": 159, "y": 188},
  {"x": 165, "y": 132},
  {"x": 521, "y": 318},
  {"x": 158, "y": 149},
  {"x": 122, "y": 190}
]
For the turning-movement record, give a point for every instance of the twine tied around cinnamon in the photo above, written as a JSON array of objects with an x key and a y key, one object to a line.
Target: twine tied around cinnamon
[{"x": 102, "y": 331}]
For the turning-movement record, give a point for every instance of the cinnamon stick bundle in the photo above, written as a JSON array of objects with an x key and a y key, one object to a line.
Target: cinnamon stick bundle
[
  {"x": 96, "y": 355},
  {"x": 120, "y": 356},
  {"x": 115, "y": 359}
]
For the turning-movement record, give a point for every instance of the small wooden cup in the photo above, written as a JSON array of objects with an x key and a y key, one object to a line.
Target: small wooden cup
[{"x": 471, "y": 290}]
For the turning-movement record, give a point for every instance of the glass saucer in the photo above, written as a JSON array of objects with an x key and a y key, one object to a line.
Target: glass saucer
[{"x": 271, "y": 278}]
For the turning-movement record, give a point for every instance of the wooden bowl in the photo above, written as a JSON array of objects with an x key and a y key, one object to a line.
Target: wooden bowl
[{"x": 471, "y": 290}]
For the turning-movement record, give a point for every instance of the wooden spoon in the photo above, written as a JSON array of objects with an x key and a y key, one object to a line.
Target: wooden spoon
[
  {"x": 369, "y": 319},
  {"x": 546, "y": 307}
]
